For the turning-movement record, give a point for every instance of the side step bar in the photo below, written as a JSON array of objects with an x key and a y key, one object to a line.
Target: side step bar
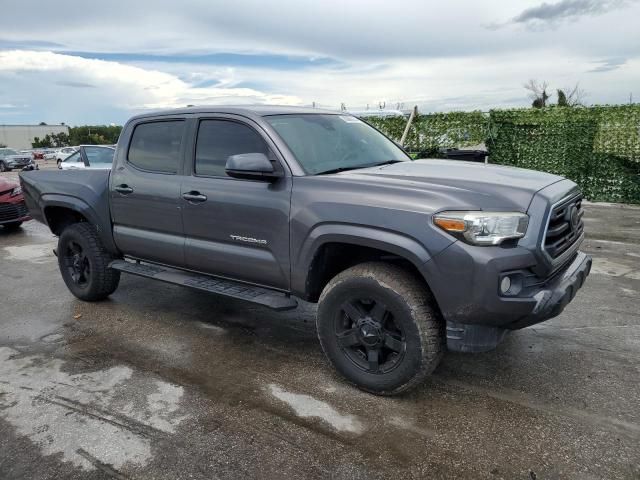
[{"x": 263, "y": 296}]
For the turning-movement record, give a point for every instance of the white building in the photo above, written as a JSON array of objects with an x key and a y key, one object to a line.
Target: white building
[{"x": 20, "y": 137}]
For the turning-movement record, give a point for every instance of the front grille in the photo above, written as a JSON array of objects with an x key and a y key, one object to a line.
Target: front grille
[
  {"x": 12, "y": 211},
  {"x": 565, "y": 226}
]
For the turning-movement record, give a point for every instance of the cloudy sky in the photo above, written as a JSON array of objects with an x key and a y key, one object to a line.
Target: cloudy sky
[{"x": 100, "y": 62}]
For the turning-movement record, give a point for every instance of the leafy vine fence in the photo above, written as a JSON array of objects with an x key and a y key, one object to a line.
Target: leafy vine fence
[{"x": 597, "y": 147}]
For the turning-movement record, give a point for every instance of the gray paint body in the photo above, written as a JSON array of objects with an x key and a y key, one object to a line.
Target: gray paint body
[{"x": 388, "y": 207}]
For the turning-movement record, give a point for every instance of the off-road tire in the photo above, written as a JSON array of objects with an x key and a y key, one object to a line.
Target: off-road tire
[
  {"x": 411, "y": 306},
  {"x": 102, "y": 281}
]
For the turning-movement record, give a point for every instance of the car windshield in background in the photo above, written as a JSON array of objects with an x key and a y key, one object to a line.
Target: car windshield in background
[
  {"x": 97, "y": 155},
  {"x": 325, "y": 143},
  {"x": 8, "y": 151}
]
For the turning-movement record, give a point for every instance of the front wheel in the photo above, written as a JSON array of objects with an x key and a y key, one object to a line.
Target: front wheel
[
  {"x": 378, "y": 326},
  {"x": 84, "y": 263},
  {"x": 4, "y": 168},
  {"x": 59, "y": 162}
]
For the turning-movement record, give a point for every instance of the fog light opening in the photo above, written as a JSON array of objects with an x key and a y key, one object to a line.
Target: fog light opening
[{"x": 505, "y": 285}]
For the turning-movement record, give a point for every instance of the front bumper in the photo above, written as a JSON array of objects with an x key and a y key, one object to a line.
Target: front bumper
[
  {"x": 465, "y": 282},
  {"x": 551, "y": 300},
  {"x": 18, "y": 163},
  {"x": 13, "y": 212}
]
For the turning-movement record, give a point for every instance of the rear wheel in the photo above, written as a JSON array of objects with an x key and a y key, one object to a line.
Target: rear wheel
[
  {"x": 84, "y": 263},
  {"x": 4, "y": 168},
  {"x": 378, "y": 327}
]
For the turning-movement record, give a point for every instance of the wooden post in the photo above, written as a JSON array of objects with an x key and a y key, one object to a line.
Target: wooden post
[{"x": 414, "y": 112}]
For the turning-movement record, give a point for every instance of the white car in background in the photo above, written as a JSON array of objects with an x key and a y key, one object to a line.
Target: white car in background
[
  {"x": 62, "y": 153},
  {"x": 89, "y": 157}
]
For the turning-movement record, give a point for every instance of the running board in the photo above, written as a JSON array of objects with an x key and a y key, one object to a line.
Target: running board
[{"x": 263, "y": 296}]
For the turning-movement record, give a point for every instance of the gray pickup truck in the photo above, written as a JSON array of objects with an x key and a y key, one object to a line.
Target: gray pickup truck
[{"x": 405, "y": 258}]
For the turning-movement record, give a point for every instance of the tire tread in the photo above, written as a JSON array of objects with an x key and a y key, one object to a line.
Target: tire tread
[
  {"x": 425, "y": 314},
  {"x": 107, "y": 279}
]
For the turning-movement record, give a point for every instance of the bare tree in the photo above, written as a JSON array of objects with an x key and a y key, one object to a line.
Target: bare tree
[
  {"x": 571, "y": 97},
  {"x": 537, "y": 93}
]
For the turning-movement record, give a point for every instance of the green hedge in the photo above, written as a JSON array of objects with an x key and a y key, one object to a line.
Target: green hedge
[
  {"x": 597, "y": 147},
  {"x": 436, "y": 131}
]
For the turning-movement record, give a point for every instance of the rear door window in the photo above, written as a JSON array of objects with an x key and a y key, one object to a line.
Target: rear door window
[{"x": 156, "y": 146}]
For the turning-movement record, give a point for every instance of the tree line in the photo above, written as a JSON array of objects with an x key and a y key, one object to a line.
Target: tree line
[{"x": 84, "y": 135}]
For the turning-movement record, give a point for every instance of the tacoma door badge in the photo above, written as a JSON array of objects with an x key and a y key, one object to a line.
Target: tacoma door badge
[{"x": 239, "y": 238}]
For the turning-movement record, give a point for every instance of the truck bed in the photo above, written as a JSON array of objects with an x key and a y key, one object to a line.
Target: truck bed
[{"x": 84, "y": 191}]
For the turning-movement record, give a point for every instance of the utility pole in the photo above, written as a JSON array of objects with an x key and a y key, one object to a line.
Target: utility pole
[{"x": 414, "y": 113}]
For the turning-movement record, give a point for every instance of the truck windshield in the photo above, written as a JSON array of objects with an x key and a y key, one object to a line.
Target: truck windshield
[{"x": 325, "y": 143}]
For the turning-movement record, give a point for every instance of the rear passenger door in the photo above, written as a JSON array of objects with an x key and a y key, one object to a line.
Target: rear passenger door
[
  {"x": 239, "y": 228},
  {"x": 145, "y": 192}
]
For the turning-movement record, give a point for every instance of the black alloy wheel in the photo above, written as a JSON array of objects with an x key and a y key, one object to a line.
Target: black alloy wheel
[
  {"x": 77, "y": 263},
  {"x": 369, "y": 336}
]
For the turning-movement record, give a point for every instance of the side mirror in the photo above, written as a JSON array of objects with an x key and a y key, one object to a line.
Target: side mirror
[{"x": 251, "y": 166}]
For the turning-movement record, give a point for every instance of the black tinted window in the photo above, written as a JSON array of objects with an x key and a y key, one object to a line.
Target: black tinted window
[
  {"x": 219, "y": 139},
  {"x": 156, "y": 146}
]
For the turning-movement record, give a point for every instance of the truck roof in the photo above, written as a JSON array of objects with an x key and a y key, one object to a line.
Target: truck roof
[{"x": 245, "y": 110}]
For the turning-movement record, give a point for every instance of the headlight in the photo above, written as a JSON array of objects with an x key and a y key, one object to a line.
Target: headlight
[
  {"x": 483, "y": 228},
  {"x": 16, "y": 191}
]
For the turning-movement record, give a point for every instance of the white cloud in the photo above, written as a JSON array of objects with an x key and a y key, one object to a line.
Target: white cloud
[
  {"x": 74, "y": 88},
  {"x": 438, "y": 54}
]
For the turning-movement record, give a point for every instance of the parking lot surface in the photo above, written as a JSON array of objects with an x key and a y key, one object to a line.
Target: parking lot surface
[{"x": 164, "y": 382}]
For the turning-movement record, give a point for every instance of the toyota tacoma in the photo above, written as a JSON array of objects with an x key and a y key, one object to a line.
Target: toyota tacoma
[{"x": 405, "y": 258}]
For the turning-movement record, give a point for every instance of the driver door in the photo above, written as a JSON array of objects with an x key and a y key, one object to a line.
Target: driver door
[{"x": 236, "y": 228}]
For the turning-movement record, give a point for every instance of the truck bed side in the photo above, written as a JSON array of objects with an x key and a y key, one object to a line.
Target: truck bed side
[{"x": 57, "y": 198}]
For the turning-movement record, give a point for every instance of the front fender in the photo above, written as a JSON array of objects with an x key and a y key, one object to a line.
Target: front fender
[{"x": 386, "y": 240}]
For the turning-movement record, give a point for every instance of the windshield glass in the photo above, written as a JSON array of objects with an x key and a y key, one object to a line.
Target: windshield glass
[
  {"x": 8, "y": 151},
  {"x": 325, "y": 143}
]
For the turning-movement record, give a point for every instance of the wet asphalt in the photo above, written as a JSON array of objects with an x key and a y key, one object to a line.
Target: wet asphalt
[{"x": 163, "y": 382}]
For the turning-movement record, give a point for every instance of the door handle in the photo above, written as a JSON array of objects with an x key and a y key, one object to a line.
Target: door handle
[
  {"x": 124, "y": 189},
  {"x": 194, "y": 197}
]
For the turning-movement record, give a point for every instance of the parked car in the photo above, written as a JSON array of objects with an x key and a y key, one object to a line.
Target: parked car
[
  {"x": 89, "y": 156},
  {"x": 265, "y": 204},
  {"x": 11, "y": 159},
  {"x": 62, "y": 153},
  {"x": 13, "y": 210},
  {"x": 50, "y": 154}
]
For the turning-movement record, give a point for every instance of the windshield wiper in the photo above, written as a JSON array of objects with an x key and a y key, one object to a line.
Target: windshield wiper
[
  {"x": 341, "y": 169},
  {"x": 356, "y": 167}
]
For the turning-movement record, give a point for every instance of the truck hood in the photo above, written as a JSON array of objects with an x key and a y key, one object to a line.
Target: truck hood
[{"x": 471, "y": 184}]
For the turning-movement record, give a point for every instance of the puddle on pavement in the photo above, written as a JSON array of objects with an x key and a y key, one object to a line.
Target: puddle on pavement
[
  {"x": 83, "y": 416},
  {"x": 306, "y": 406},
  {"x": 37, "y": 253}
]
